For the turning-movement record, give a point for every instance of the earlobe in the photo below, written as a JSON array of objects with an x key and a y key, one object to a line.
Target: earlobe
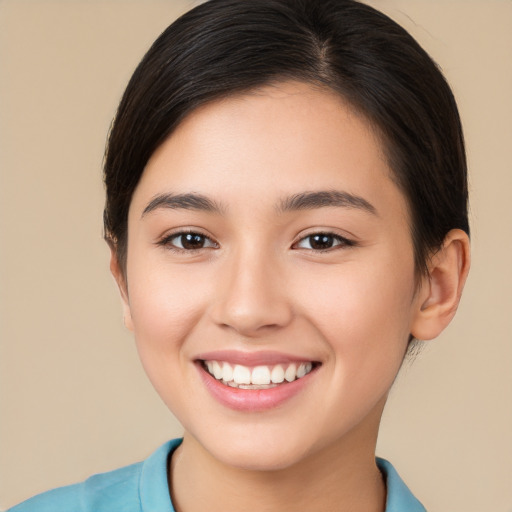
[
  {"x": 117, "y": 272},
  {"x": 441, "y": 290}
]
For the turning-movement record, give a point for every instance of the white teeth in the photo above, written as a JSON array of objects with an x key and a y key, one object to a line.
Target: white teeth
[
  {"x": 277, "y": 375},
  {"x": 241, "y": 374},
  {"x": 301, "y": 370},
  {"x": 227, "y": 372},
  {"x": 259, "y": 377},
  {"x": 290, "y": 373},
  {"x": 217, "y": 370}
]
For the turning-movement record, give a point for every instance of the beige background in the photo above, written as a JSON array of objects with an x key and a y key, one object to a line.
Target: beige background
[{"x": 73, "y": 398}]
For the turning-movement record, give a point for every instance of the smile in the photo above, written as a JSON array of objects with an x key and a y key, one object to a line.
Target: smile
[{"x": 257, "y": 377}]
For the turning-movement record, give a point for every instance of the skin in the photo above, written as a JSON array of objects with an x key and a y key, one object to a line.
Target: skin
[{"x": 258, "y": 284}]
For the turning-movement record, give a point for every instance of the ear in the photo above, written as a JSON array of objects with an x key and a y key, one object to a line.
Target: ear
[
  {"x": 440, "y": 291},
  {"x": 117, "y": 272}
]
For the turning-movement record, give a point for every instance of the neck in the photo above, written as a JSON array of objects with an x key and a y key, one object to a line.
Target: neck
[{"x": 341, "y": 477}]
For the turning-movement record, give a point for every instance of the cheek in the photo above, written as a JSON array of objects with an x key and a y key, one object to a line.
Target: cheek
[
  {"x": 363, "y": 319},
  {"x": 361, "y": 298},
  {"x": 165, "y": 305},
  {"x": 363, "y": 313}
]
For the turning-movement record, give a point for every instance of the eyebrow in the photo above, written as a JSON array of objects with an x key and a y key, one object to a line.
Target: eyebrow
[
  {"x": 301, "y": 201},
  {"x": 323, "y": 199},
  {"x": 189, "y": 201}
]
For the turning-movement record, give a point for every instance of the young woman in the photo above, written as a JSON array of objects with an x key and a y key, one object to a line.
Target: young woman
[{"x": 287, "y": 212}]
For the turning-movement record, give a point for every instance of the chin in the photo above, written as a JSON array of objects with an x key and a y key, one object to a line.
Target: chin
[
  {"x": 264, "y": 460},
  {"x": 257, "y": 451}
]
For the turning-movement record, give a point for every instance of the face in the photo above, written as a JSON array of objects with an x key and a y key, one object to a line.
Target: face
[{"x": 270, "y": 276}]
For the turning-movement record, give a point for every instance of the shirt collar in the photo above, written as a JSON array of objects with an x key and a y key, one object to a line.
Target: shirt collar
[
  {"x": 399, "y": 497},
  {"x": 154, "y": 489}
]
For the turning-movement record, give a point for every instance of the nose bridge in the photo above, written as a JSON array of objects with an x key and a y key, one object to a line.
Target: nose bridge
[{"x": 251, "y": 297}]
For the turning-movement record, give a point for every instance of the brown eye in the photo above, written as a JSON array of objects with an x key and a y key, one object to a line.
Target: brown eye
[
  {"x": 323, "y": 242},
  {"x": 320, "y": 242},
  {"x": 188, "y": 241},
  {"x": 192, "y": 241}
]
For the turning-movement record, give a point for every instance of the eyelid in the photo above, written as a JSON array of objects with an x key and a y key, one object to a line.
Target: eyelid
[
  {"x": 343, "y": 241},
  {"x": 165, "y": 240}
]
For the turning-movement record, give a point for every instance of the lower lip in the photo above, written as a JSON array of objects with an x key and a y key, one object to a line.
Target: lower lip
[{"x": 253, "y": 400}]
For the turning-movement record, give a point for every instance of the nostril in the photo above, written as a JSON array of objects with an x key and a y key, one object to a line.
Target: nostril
[{"x": 251, "y": 319}]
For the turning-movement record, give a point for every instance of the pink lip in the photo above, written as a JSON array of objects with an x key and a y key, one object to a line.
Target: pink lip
[
  {"x": 251, "y": 358},
  {"x": 253, "y": 400}
]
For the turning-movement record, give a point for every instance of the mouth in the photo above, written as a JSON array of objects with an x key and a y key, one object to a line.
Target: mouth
[
  {"x": 259, "y": 377},
  {"x": 255, "y": 381}
]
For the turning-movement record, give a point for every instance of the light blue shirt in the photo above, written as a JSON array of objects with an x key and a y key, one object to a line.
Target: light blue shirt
[{"x": 142, "y": 487}]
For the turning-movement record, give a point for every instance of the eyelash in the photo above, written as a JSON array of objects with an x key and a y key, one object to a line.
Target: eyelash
[
  {"x": 167, "y": 241},
  {"x": 341, "y": 241},
  {"x": 338, "y": 241}
]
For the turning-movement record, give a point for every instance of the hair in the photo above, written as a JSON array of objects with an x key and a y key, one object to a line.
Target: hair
[{"x": 226, "y": 47}]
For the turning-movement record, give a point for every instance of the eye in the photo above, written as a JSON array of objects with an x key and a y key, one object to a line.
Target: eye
[
  {"x": 188, "y": 241},
  {"x": 323, "y": 242}
]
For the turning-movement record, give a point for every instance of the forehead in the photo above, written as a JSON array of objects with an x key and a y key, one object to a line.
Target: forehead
[{"x": 277, "y": 140}]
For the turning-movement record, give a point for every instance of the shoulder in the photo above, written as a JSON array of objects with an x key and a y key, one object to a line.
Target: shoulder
[
  {"x": 106, "y": 491},
  {"x": 399, "y": 497},
  {"x": 122, "y": 489}
]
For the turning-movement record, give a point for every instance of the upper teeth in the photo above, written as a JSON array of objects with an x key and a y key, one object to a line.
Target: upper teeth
[{"x": 258, "y": 375}]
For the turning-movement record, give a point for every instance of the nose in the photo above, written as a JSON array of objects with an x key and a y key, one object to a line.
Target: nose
[{"x": 251, "y": 295}]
